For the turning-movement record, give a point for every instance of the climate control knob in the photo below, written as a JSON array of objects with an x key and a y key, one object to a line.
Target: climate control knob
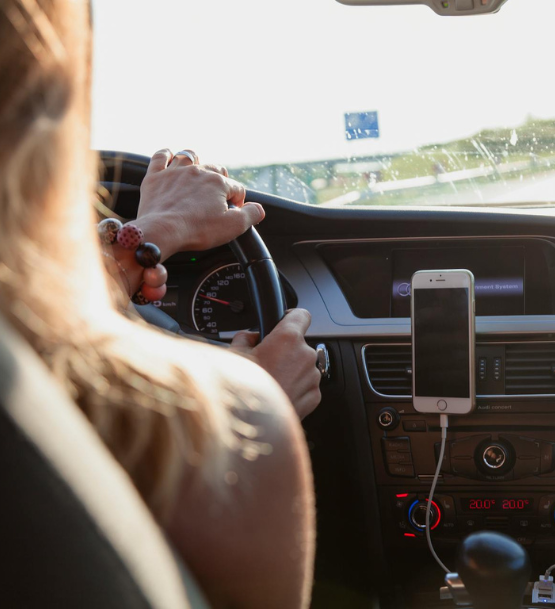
[{"x": 417, "y": 515}]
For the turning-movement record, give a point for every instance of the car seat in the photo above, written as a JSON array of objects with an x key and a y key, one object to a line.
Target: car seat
[{"x": 73, "y": 530}]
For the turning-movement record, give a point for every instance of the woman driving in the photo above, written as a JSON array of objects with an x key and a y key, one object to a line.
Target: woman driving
[{"x": 210, "y": 440}]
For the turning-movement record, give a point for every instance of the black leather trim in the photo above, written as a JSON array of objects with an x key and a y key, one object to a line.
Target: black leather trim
[{"x": 73, "y": 530}]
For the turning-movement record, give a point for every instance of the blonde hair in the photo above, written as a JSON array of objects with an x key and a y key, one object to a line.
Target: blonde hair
[{"x": 155, "y": 419}]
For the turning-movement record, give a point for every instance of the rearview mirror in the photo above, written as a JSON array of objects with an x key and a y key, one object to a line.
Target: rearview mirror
[{"x": 441, "y": 7}]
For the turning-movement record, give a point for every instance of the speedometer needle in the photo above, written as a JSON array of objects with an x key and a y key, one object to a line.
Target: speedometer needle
[{"x": 224, "y": 302}]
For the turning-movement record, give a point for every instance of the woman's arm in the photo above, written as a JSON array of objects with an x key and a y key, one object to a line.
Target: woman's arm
[
  {"x": 184, "y": 208},
  {"x": 253, "y": 546}
]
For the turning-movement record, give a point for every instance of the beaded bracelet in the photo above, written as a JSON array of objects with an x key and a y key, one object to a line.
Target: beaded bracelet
[{"x": 130, "y": 237}]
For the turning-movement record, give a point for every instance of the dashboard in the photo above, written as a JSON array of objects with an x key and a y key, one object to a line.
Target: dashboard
[{"x": 373, "y": 455}]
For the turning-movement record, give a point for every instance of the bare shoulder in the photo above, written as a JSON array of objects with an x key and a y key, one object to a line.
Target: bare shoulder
[
  {"x": 249, "y": 538},
  {"x": 231, "y": 371}
]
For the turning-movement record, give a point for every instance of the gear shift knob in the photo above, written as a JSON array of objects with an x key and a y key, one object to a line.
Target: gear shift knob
[{"x": 495, "y": 570}]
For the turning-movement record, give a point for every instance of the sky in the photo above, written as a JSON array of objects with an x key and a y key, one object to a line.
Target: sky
[{"x": 249, "y": 82}]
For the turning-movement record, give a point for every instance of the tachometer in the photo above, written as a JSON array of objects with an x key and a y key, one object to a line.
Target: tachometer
[{"x": 222, "y": 302}]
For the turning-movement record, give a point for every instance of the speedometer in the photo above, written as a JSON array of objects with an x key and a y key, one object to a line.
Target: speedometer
[{"x": 222, "y": 302}]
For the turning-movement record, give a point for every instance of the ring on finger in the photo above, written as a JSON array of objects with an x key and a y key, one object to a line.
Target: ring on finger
[{"x": 191, "y": 155}]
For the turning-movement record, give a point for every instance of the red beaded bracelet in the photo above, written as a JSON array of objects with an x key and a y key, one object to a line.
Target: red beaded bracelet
[{"x": 130, "y": 237}]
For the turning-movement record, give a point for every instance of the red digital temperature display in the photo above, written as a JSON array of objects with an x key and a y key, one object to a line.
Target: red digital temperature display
[{"x": 497, "y": 504}]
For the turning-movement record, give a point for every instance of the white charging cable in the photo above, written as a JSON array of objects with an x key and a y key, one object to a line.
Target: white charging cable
[{"x": 444, "y": 423}]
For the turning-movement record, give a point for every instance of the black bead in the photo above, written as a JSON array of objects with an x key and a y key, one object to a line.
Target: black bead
[{"x": 148, "y": 255}]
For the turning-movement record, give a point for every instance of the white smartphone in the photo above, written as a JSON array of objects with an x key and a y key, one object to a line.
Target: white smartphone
[{"x": 443, "y": 341}]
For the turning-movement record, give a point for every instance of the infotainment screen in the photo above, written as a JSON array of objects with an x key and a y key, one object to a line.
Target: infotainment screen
[{"x": 498, "y": 273}]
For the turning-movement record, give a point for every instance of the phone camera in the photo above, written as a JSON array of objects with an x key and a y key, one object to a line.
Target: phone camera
[{"x": 430, "y": 281}]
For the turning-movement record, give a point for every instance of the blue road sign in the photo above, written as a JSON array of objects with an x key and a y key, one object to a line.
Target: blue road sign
[{"x": 360, "y": 125}]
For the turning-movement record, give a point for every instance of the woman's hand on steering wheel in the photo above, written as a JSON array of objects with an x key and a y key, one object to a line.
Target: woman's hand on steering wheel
[
  {"x": 285, "y": 354},
  {"x": 185, "y": 206}
]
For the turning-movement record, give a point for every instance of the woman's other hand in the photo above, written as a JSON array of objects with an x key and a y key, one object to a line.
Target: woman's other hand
[
  {"x": 285, "y": 354},
  {"x": 184, "y": 206}
]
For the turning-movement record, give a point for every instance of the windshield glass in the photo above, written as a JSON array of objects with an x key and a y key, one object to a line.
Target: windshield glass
[{"x": 335, "y": 105}]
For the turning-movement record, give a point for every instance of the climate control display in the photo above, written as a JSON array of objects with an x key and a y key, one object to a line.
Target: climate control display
[{"x": 497, "y": 504}]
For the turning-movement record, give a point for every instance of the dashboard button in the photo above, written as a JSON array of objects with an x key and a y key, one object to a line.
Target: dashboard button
[
  {"x": 524, "y": 447},
  {"x": 396, "y": 457},
  {"x": 526, "y": 467},
  {"x": 546, "y": 507},
  {"x": 464, "y": 466},
  {"x": 447, "y": 527},
  {"x": 524, "y": 525},
  {"x": 546, "y": 459},
  {"x": 524, "y": 541},
  {"x": 545, "y": 527},
  {"x": 469, "y": 524},
  {"x": 398, "y": 444},
  {"x": 446, "y": 465},
  {"x": 495, "y": 456},
  {"x": 402, "y": 503},
  {"x": 414, "y": 425},
  {"x": 448, "y": 506},
  {"x": 465, "y": 447},
  {"x": 400, "y": 470},
  {"x": 388, "y": 418}
]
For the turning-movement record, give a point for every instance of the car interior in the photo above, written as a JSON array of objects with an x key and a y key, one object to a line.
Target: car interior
[{"x": 374, "y": 456}]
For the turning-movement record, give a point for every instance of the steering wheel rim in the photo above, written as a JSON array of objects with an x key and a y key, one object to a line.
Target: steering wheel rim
[
  {"x": 249, "y": 248},
  {"x": 262, "y": 277}
]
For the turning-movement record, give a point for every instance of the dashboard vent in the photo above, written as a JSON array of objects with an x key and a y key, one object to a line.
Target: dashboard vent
[
  {"x": 497, "y": 523},
  {"x": 530, "y": 369},
  {"x": 389, "y": 369}
]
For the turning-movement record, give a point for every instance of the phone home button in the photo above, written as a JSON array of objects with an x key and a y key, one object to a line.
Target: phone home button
[{"x": 442, "y": 405}]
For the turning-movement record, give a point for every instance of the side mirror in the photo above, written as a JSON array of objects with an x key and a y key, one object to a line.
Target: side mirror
[{"x": 441, "y": 7}]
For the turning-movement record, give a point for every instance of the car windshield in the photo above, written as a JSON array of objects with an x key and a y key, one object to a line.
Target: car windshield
[{"x": 334, "y": 105}]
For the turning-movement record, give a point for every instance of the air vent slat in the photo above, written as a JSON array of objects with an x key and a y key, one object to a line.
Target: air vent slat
[
  {"x": 531, "y": 363},
  {"x": 532, "y": 348},
  {"x": 389, "y": 369},
  {"x": 532, "y": 368},
  {"x": 529, "y": 387},
  {"x": 390, "y": 362},
  {"x": 529, "y": 369}
]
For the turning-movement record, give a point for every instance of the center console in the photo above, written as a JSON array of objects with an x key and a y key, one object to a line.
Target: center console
[
  {"x": 498, "y": 469},
  {"x": 491, "y": 479}
]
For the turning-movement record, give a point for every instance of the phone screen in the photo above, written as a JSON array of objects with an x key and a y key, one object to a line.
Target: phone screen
[{"x": 441, "y": 342}]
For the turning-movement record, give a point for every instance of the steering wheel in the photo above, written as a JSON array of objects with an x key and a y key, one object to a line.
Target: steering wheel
[
  {"x": 262, "y": 278},
  {"x": 123, "y": 174}
]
